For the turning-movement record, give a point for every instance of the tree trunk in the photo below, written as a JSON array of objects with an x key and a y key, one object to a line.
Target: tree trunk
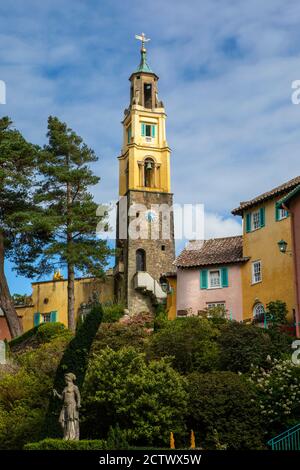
[
  {"x": 6, "y": 302},
  {"x": 71, "y": 299},
  {"x": 71, "y": 270}
]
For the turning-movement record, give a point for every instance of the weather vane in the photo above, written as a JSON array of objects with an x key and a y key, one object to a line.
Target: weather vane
[{"x": 143, "y": 39}]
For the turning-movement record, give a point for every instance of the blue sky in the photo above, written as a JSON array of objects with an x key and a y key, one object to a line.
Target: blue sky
[{"x": 225, "y": 69}]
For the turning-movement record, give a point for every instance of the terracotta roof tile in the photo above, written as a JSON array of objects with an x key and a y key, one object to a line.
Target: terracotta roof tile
[
  {"x": 211, "y": 252},
  {"x": 268, "y": 195}
]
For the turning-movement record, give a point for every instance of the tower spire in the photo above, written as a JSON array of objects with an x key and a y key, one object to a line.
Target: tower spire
[{"x": 143, "y": 67}]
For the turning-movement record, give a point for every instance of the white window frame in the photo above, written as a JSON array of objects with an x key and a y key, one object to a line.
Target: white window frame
[
  {"x": 282, "y": 213},
  {"x": 215, "y": 304},
  {"x": 254, "y": 273},
  {"x": 209, "y": 281},
  {"x": 260, "y": 305},
  {"x": 48, "y": 315},
  {"x": 256, "y": 215}
]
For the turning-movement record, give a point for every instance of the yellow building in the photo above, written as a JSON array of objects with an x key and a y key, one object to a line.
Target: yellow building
[
  {"x": 268, "y": 275},
  {"x": 49, "y": 299},
  {"x": 171, "y": 279}
]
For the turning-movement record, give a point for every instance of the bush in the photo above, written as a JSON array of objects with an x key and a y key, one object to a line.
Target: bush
[
  {"x": 242, "y": 346},
  {"x": 24, "y": 337},
  {"x": 191, "y": 342},
  {"x": 40, "y": 334},
  {"x": 146, "y": 400},
  {"x": 112, "y": 312},
  {"x": 24, "y": 393},
  {"x": 278, "y": 389},
  {"x": 222, "y": 411},
  {"x": 118, "y": 335},
  {"x": 47, "y": 331},
  {"x": 117, "y": 438},
  {"x": 160, "y": 317},
  {"x": 75, "y": 360},
  {"x": 276, "y": 313},
  {"x": 60, "y": 444}
]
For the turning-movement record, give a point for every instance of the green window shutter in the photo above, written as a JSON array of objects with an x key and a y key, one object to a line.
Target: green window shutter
[
  {"x": 53, "y": 316},
  {"x": 203, "y": 279},
  {"x": 262, "y": 217},
  {"x": 36, "y": 319},
  {"x": 143, "y": 130},
  {"x": 248, "y": 222},
  {"x": 224, "y": 277},
  {"x": 276, "y": 212},
  {"x": 153, "y": 130}
]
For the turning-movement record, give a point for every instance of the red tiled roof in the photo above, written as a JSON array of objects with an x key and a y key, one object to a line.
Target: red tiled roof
[
  {"x": 211, "y": 252},
  {"x": 288, "y": 186}
]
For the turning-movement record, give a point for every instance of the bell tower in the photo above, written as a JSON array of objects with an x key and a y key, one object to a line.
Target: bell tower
[{"x": 145, "y": 196}]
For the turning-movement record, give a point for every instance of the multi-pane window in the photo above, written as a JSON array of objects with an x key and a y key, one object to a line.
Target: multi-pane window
[
  {"x": 282, "y": 214},
  {"x": 214, "y": 279},
  {"x": 46, "y": 317},
  {"x": 256, "y": 272},
  {"x": 215, "y": 304},
  {"x": 148, "y": 131},
  {"x": 259, "y": 312},
  {"x": 255, "y": 220}
]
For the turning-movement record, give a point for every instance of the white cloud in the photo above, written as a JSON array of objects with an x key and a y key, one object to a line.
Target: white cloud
[
  {"x": 225, "y": 68},
  {"x": 217, "y": 226}
]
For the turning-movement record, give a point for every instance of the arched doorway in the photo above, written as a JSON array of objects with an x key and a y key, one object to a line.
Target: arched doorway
[{"x": 140, "y": 260}]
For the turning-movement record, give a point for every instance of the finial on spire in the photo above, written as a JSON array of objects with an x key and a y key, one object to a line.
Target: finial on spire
[
  {"x": 143, "y": 67},
  {"x": 143, "y": 39}
]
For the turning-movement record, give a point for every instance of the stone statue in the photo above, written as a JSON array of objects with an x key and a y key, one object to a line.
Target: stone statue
[{"x": 69, "y": 415}]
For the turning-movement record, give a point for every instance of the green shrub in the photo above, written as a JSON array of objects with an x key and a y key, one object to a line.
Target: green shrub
[
  {"x": 47, "y": 331},
  {"x": 160, "y": 317},
  {"x": 45, "y": 359},
  {"x": 146, "y": 400},
  {"x": 25, "y": 388},
  {"x": 191, "y": 342},
  {"x": 42, "y": 333},
  {"x": 117, "y": 438},
  {"x": 112, "y": 312},
  {"x": 276, "y": 313},
  {"x": 75, "y": 360},
  {"x": 23, "y": 403},
  {"x": 223, "y": 411},
  {"x": 25, "y": 336},
  {"x": 242, "y": 346},
  {"x": 278, "y": 390},
  {"x": 118, "y": 335},
  {"x": 60, "y": 444}
]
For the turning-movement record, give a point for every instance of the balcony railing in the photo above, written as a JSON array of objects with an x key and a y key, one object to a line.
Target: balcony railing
[{"x": 288, "y": 440}]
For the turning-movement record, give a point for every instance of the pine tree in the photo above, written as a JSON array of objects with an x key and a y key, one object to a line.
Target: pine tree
[
  {"x": 69, "y": 211},
  {"x": 17, "y": 168}
]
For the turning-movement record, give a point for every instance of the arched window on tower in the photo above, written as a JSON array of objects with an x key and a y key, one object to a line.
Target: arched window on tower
[
  {"x": 140, "y": 260},
  {"x": 149, "y": 173}
]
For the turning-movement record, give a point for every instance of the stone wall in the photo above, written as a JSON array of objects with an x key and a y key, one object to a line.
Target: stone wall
[{"x": 160, "y": 252}]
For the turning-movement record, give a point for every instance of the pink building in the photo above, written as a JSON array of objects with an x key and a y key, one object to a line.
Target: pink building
[
  {"x": 208, "y": 275},
  {"x": 291, "y": 202}
]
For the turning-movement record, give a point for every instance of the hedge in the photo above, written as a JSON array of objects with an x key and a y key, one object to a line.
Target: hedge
[
  {"x": 60, "y": 444},
  {"x": 75, "y": 360},
  {"x": 42, "y": 333}
]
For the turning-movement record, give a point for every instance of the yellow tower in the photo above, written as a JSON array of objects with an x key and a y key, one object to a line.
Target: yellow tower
[
  {"x": 144, "y": 181},
  {"x": 145, "y": 160}
]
